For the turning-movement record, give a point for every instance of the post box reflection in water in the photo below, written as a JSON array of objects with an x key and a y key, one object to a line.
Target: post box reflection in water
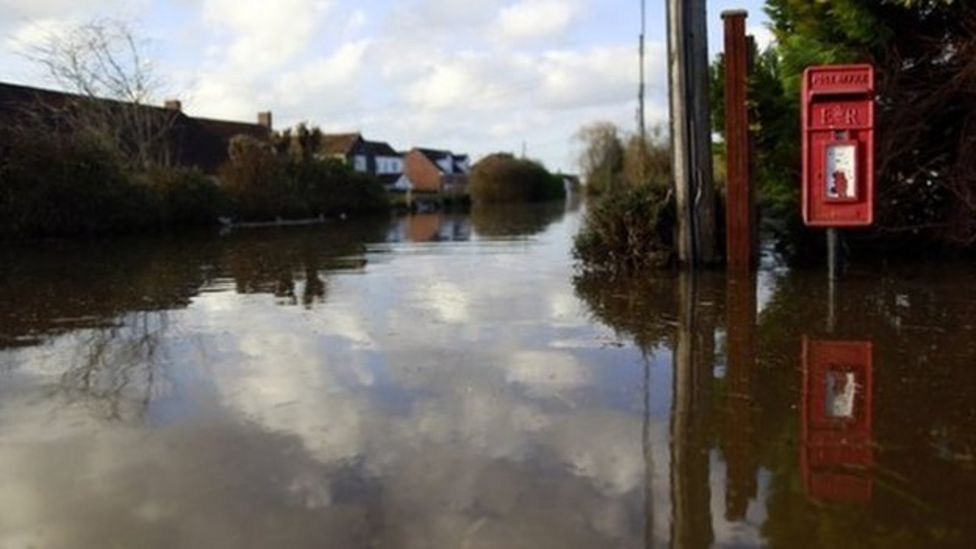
[{"x": 835, "y": 447}]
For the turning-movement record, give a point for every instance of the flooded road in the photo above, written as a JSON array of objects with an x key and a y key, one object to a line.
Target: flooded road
[{"x": 447, "y": 381}]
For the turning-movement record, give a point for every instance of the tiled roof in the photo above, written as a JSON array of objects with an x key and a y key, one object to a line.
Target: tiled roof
[
  {"x": 381, "y": 148},
  {"x": 339, "y": 143},
  {"x": 435, "y": 155},
  {"x": 198, "y": 142}
]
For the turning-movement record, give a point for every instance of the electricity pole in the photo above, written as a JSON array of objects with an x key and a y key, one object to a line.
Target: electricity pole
[
  {"x": 691, "y": 131},
  {"x": 641, "y": 122}
]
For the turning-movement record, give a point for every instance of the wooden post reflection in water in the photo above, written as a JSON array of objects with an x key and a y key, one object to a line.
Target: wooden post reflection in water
[
  {"x": 693, "y": 361},
  {"x": 740, "y": 429}
]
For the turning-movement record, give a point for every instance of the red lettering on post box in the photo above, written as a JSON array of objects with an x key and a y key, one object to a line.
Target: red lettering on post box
[{"x": 838, "y": 146}]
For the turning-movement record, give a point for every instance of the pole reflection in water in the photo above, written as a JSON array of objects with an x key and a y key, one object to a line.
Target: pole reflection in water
[
  {"x": 835, "y": 448},
  {"x": 693, "y": 360},
  {"x": 648, "y": 455},
  {"x": 740, "y": 409}
]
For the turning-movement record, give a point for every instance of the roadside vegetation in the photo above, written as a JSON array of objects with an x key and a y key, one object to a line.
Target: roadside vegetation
[
  {"x": 503, "y": 178},
  {"x": 285, "y": 179},
  {"x": 630, "y": 225}
]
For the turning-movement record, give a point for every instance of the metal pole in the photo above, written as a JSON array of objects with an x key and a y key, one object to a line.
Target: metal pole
[
  {"x": 834, "y": 268},
  {"x": 640, "y": 94},
  {"x": 834, "y": 254}
]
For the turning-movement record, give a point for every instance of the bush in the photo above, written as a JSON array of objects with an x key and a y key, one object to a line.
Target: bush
[
  {"x": 330, "y": 187},
  {"x": 52, "y": 186},
  {"x": 264, "y": 184},
  {"x": 628, "y": 231},
  {"x": 254, "y": 180},
  {"x": 501, "y": 177},
  {"x": 184, "y": 197}
]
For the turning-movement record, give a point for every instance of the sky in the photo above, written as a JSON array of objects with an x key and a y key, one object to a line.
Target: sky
[{"x": 473, "y": 76}]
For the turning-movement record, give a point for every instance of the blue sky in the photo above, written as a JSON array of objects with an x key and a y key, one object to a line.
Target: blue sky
[{"x": 476, "y": 76}]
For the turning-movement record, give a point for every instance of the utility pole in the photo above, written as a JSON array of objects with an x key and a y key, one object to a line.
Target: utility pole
[
  {"x": 691, "y": 131},
  {"x": 641, "y": 122}
]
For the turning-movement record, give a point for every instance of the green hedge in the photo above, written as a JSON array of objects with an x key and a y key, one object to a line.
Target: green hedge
[
  {"x": 59, "y": 185},
  {"x": 501, "y": 177}
]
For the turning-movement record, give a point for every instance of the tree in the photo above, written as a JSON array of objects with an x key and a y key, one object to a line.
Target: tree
[
  {"x": 602, "y": 158},
  {"x": 656, "y": 159},
  {"x": 103, "y": 60}
]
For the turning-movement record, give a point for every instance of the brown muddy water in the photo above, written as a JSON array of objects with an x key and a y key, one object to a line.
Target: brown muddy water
[{"x": 446, "y": 381}]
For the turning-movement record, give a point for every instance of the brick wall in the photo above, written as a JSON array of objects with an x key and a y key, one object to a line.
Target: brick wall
[{"x": 424, "y": 174}]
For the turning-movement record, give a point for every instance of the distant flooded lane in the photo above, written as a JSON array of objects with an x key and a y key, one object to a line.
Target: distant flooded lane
[{"x": 448, "y": 380}]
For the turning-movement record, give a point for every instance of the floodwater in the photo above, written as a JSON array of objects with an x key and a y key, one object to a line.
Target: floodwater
[{"x": 446, "y": 381}]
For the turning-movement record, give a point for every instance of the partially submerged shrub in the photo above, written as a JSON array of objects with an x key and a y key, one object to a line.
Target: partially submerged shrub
[
  {"x": 628, "y": 231},
  {"x": 501, "y": 177},
  {"x": 52, "y": 185},
  {"x": 263, "y": 184},
  {"x": 330, "y": 187},
  {"x": 184, "y": 197},
  {"x": 254, "y": 179}
]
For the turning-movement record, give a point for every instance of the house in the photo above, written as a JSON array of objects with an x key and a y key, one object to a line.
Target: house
[
  {"x": 351, "y": 148},
  {"x": 386, "y": 162},
  {"x": 187, "y": 141},
  {"x": 373, "y": 157},
  {"x": 430, "y": 170}
]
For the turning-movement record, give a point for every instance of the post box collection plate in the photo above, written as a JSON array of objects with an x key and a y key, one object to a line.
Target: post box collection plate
[{"x": 838, "y": 146}]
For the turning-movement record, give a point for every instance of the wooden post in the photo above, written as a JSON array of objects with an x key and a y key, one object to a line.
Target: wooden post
[
  {"x": 691, "y": 131},
  {"x": 739, "y": 206}
]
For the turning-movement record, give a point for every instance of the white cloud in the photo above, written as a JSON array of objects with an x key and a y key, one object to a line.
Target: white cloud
[
  {"x": 336, "y": 77},
  {"x": 36, "y": 33},
  {"x": 534, "y": 19},
  {"x": 265, "y": 34},
  {"x": 62, "y": 8}
]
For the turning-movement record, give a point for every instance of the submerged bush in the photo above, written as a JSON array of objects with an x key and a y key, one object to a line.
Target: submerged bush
[
  {"x": 254, "y": 180},
  {"x": 264, "y": 184},
  {"x": 501, "y": 177},
  {"x": 76, "y": 183},
  {"x": 184, "y": 197},
  {"x": 628, "y": 231},
  {"x": 330, "y": 187},
  {"x": 53, "y": 186}
]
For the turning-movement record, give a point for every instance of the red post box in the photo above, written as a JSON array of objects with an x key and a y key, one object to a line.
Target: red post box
[
  {"x": 838, "y": 146},
  {"x": 836, "y": 454}
]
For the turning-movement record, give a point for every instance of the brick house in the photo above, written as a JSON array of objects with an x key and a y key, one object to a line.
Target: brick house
[
  {"x": 429, "y": 170},
  {"x": 190, "y": 141}
]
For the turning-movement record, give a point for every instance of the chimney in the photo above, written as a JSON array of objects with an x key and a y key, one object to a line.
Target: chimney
[
  {"x": 264, "y": 119},
  {"x": 173, "y": 105}
]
